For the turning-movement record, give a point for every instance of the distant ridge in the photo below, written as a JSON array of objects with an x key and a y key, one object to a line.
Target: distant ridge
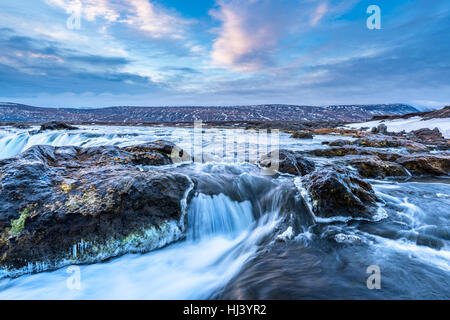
[
  {"x": 13, "y": 112},
  {"x": 425, "y": 115}
]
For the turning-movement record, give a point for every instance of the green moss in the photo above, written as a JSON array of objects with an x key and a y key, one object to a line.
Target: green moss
[{"x": 18, "y": 225}]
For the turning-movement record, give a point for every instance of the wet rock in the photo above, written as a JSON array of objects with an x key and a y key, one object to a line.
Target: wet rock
[
  {"x": 336, "y": 191},
  {"x": 21, "y": 126},
  {"x": 61, "y": 205},
  {"x": 352, "y": 150},
  {"x": 56, "y": 125},
  {"x": 339, "y": 143},
  {"x": 302, "y": 135},
  {"x": 426, "y": 164},
  {"x": 389, "y": 142},
  {"x": 374, "y": 167},
  {"x": 288, "y": 162}
]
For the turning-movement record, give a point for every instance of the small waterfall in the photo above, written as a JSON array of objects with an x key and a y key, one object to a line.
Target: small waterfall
[
  {"x": 13, "y": 142},
  {"x": 209, "y": 216}
]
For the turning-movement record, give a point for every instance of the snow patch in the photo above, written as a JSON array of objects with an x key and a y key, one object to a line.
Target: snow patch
[{"x": 414, "y": 123}]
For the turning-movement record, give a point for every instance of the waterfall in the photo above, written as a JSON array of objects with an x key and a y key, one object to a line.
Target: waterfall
[
  {"x": 222, "y": 235},
  {"x": 217, "y": 215}
]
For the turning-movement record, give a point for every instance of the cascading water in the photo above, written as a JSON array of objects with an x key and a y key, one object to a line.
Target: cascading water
[
  {"x": 237, "y": 216},
  {"x": 212, "y": 216},
  {"x": 222, "y": 235}
]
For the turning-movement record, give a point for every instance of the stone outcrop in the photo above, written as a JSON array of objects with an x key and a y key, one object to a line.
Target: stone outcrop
[
  {"x": 337, "y": 191},
  {"x": 61, "y": 205},
  {"x": 56, "y": 125},
  {"x": 289, "y": 162}
]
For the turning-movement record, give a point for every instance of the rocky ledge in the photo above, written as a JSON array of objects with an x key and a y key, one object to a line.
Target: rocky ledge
[
  {"x": 60, "y": 205},
  {"x": 420, "y": 153}
]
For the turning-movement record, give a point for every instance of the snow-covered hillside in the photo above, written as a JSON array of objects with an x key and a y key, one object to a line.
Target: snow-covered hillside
[{"x": 414, "y": 123}]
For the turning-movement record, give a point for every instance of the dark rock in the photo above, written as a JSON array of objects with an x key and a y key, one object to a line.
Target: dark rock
[
  {"x": 428, "y": 134},
  {"x": 426, "y": 164},
  {"x": 21, "y": 126},
  {"x": 302, "y": 135},
  {"x": 382, "y": 128},
  {"x": 336, "y": 191},
  {"x": 289, "y": 162},
  {"x": 374, "y": 167},
  {"x": 352, "y": 150},
  {"x": 56, "y": 125},
  {"x": 390, "y": 142},
  {"x": 338, "y": 143},
  {"x": 61, "y": 205}
]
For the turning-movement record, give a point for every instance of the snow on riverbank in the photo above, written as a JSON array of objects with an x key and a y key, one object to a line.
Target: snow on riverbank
[{"x": 408, "y": 125}]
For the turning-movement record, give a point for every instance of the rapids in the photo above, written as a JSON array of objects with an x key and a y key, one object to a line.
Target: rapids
[{"x": 235, "y": 222}]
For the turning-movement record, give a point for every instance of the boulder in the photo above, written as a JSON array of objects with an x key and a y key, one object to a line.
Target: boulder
[
  {"x": 390, "y": 142},
  {"x": 381, "y": 128},
  {"x": 338, "y": 143},
  {"x": 428, "y": 134},
  {"x": 352, "y": 150},
  {"x": 374, "y": 167},
  {"x": 56, "y": 125},
  {"x": 302, "y": 135},
  {"x": 337, "y": 191},
  {"x": 289, "y": 162},
  {"x": 63, "y": 205},
  {"x": 426, "y": 164}
]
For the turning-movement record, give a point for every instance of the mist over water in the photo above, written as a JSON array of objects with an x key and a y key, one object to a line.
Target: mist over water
[{"x": 232, "y": 247}]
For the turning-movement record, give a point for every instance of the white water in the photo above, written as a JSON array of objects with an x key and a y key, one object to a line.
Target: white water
[
  {"x": 224, "y": 236},
  {"x": 14, "y": 141}
]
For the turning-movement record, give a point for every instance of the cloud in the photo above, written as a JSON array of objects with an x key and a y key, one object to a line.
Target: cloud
[
  {"x": 30, "y": 66},
  {"x": 153, "y": 20},
  {"x": 246, "y": 37},
  {"x": 319, "y": 13},
  {"x": 90, "y": 9},
  {"x": 251, "y": 31},
  {"x": 142, "y": 15}
]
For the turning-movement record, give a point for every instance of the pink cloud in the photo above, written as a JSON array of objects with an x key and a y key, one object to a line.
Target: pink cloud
[
  {"x": 319, "y": 13},
  {"x": 246, "y": 36}
]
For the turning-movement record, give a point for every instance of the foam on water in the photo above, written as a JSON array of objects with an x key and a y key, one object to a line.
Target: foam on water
[{"x": 222, "y": 236}]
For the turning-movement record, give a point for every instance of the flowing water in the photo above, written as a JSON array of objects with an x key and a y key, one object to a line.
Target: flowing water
[{"x": 235, "y": 222}]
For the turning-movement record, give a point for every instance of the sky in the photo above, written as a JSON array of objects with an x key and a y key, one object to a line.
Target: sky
[{"x": 224, "y": 52}]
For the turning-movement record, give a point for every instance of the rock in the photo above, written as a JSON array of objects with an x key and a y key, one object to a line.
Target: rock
[
  {"x": 338, "y": 143},
  {"x": 336, "y": 191},
  {"x": 428, "y": 134},
  {"x": 289, "y": 162},
  {"x": 302, "y": 135},
  {"x": 21, "y": 126},
  {"x": 382, "y": 128},
  {"x": 339, "y": 131},
  {"x": 56, "y": 125},
  {"x": 426, "y": 164},
  {"x": 62, "y": 205},
  {"x": 374, "y": 167},
  {"x": 352, "y": 150},
  {"x": 390, "y": 142}
]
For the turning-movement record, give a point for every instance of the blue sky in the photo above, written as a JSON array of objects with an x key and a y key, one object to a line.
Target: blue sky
[{"x": 224, "y": 52}]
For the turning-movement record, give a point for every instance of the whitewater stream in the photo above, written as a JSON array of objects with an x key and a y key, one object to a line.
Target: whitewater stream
[{"x": 242, "y": 240}]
